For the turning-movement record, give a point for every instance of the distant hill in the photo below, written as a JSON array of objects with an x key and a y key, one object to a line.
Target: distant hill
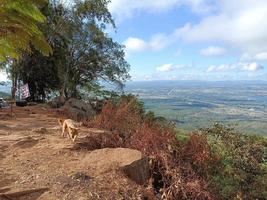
[
  {"x": 5, "y": 87},
  {"x": 4, "y": 95}
]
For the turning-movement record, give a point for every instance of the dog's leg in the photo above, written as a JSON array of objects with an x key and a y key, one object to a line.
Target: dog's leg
[
  {"x": 63, "y": 129},
  {"x": 69, "y": 136},
  {"x": 69, "y": 133},
  {"x": 73, "y": 139}
]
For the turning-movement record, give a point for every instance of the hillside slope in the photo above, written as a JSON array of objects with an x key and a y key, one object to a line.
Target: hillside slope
[{"x": 34, "y": 155}]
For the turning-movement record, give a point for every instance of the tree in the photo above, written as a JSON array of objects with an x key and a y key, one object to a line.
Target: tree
[
  {"x": 95, "y": 55},
  {"x": 19, "y": 21},
  {"x": 42, "y": 79},
  {"x": 83, "y": 54}
]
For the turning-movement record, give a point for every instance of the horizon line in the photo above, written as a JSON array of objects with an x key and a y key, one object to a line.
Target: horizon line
[{"x": 245, "y": 80}]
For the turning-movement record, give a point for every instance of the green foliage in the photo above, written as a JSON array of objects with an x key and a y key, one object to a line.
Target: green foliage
[
  {"x": 243, "y": 163},
  {"x": 41, "y": 80},
  {"x": 83, "y": 54},
  {"x": 95, "y": 55},
  {"x": 180, "y": 136},
  {"x": 19, "y": 21},
  {"x": 94, "y": 91}
]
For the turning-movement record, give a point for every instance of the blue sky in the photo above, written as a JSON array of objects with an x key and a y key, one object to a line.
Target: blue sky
[{"x": 193, "y": 39}]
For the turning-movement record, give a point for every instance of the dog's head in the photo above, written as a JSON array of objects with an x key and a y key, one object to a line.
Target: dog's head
[{"x": 74, "y": 131}]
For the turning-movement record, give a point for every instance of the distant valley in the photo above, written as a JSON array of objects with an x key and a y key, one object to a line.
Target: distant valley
[{"x": 197, "y": 104}]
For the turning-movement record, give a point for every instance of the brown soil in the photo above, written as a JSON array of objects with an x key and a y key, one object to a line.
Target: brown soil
[{"x": 34, "y": 155}]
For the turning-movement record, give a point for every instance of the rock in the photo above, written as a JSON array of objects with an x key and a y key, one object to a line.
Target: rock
[
  {"x": 79, "y": 110},
  {"x": 32, "y": 104},
  {"x": 105, "y": 160},
  {"x": 55, "y": 103},
  {"x": 81, "y": 177},
  {"x": 138, "y": 170},
  {"x": 21, "y": 103}
]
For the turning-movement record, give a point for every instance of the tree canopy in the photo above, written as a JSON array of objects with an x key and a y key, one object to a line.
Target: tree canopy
[
  {"x": 83, "y": 53},
  {"x": 19, "y": 29}
]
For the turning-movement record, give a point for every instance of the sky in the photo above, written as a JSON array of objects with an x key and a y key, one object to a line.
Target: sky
[{"x": 192, "y": 39}]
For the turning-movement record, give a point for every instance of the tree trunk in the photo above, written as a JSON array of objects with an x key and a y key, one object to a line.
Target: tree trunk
[
  {"x": 13, "y": 91},
  {"x": 62, "y": 95},
  {"x": 43, "y": 96},
  {"x": 14, "y": 86}
]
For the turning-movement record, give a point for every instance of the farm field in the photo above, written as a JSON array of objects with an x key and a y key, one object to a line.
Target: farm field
[{"x": 197, "y": 104}]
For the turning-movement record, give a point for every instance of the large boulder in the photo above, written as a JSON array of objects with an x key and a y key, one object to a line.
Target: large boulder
[
  {"x": 131, "y": 162},
  {"x": 138, "y": 170},
  {"x": 79, "y": 110},
  {"x": 55, "y": 103},
  {"x": 21, "y": 103}
]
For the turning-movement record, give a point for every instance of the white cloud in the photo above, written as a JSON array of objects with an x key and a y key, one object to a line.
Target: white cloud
[
  {"x": 239, "y": 67},
  {"x": 261, "y": 56},
  {"x": 170, "y": 67},
  {"x": 122, "y": 9},
  {"x": 213, "y": 51},
  {"x": 165, "y": 68},
  {"x": 252, "y": 67},
  {"x": 156, "y": 43},
  {"x": 241, "y": 23},
  {"x": 135, "y": 44},
  {"x": 247, "y": 57}
]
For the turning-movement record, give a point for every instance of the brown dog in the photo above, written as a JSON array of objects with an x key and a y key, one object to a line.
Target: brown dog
[{"x": 71, "y": 127}]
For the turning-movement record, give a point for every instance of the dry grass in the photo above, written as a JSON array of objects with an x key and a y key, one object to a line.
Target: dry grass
[{"x": 175, "y": 165}]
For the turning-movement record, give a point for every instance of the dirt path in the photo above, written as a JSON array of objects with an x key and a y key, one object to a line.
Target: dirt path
[{"x": 34, "y": 155}]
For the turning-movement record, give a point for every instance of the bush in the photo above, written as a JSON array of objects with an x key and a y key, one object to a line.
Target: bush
[
  {"x": 215, "y": 163},
  {"x": 137, "y": 129},
  {"x": 243, "y": 164},
  {"x": 172, "y": 177}
]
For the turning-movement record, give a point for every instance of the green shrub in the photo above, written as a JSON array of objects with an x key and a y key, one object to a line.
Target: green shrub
[{"x": 243, "y": 163}]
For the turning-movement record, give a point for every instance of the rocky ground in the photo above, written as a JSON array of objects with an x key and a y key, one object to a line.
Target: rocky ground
[{"x": 37, "y": 163}]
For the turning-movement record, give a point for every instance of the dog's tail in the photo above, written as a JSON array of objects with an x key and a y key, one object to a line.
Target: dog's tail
[{"x": 60, "y": 121}]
